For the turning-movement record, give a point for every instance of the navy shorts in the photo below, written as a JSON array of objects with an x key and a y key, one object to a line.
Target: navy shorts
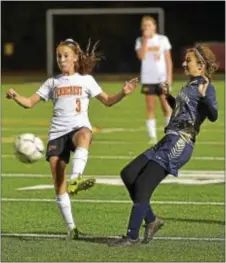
[
  {"x": 151, "y": 89},
  {"x": 171, "y": 152}
]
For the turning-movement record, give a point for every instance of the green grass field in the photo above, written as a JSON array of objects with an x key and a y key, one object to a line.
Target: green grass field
[{"x": 192, "y": 207}]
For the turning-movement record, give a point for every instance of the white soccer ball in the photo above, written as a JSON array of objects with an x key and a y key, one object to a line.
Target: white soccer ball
[{"x": 29, "y": 148}]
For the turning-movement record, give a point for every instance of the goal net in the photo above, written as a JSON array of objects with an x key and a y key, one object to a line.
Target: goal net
[{"x": 116, "y": 28}]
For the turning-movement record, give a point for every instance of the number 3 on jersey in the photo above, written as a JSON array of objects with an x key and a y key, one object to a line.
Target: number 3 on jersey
[{"x": 78, "y": 105}]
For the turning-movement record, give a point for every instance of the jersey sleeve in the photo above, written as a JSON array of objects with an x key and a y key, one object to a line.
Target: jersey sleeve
[
  {"x": 211, "y": 103},
  {"x": 166, "y": 44},
  {"x": 93, "y": 88},
  {"x": 138, "y": 43},
  {"x": 45, "y": 91}
]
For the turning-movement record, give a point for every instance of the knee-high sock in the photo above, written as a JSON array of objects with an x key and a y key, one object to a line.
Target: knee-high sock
[
  {"x": 150, "y": 216},
  {"x": 64, "y": 204},
  {"x": 151, "y": 126},
  {"x": 79, "y": 161},
  {"x": 137, "y": 215}
]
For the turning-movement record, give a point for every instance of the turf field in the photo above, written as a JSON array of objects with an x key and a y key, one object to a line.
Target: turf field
[{"x": 191, "y": 206}]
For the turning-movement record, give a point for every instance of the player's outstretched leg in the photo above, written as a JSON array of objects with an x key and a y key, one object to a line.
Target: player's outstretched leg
[{"x": 81, "y": 141}]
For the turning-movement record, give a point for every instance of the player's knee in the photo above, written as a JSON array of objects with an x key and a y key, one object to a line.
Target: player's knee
[
  {"x": 85, "y": 135},
  {"x": 53, "y": 160},
  {"x": 125, "y": 175},
  {"x": 58, "y": 172}
]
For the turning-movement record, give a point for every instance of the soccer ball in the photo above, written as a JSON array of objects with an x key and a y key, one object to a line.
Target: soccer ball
[{"x": 29, "y": 148}]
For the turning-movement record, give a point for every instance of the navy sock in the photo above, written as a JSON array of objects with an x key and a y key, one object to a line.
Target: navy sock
[
  {"x": 138, "y": 212},
  {"x": 150, "y": 216}
]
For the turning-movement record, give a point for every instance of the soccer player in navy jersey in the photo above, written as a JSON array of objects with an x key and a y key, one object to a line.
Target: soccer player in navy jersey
[{"x": 195, "y": 102}]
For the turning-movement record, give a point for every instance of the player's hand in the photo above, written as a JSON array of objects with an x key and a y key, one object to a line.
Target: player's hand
[
  {"x": 130, "y": 86},
  {"x": 11, "y": 93},
  {"x": 203, "y": 87},
  {"x": 166, "y": 88}
]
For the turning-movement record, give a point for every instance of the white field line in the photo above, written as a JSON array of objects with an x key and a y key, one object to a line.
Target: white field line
[
  {"x": 46, "y": 200},
  {"x": 156, "y": 238},
  {"x": 139, "y": 142},
  {"x": 185, "y": 177},
  {"x": 139, "y": 121},
  {"x": 184, "y": 173},
  {"x": 118, "y": 182},
  {"x": 112, "y": 130},
  {"x": 222, "y": 143},
  {"x": 126, "y": 157}
]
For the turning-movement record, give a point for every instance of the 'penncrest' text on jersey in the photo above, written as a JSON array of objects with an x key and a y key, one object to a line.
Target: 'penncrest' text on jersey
[{"x": 70, "y": 96}]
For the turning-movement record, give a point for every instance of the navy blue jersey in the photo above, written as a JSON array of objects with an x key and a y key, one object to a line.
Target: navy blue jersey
[{"x": 190, "y": 109}]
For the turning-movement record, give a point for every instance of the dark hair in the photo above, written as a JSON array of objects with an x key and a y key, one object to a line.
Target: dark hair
[
  {"x": 86, "y": 60},
  {"x": 205, "y": 56}
]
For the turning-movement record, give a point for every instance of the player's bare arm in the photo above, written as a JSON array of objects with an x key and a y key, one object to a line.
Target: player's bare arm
[
  {"x": 169, "y": 66},
  {"x": 144, "y": 48},
  {"x": 166, "y": 90},
  {"x": 128, "y": 88},
  {"x": 24, "y": 102}
]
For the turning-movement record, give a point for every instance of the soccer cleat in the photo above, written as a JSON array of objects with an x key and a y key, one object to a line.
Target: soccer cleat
[
  {"x": 80, "y": 184},
  {"x": 153, "y": 141},
  {"x": 151, "y": 229},
  {"x": 73, "y": 234},
  {"x": 124, "y": 241}
]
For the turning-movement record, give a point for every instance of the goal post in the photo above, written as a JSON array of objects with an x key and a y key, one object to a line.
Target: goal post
[{"x": 90, "y": 11}]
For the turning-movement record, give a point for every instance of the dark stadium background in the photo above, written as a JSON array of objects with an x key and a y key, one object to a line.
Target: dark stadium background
[{"x": 24, "y": 24}]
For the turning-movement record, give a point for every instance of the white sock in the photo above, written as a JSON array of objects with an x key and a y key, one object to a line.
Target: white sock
[
  {"x": 151, "y": 125},
  {"x": 167, "y": 119},
  {"x": 64, "y": 204},
  {"x": 79, "y": 161}
]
